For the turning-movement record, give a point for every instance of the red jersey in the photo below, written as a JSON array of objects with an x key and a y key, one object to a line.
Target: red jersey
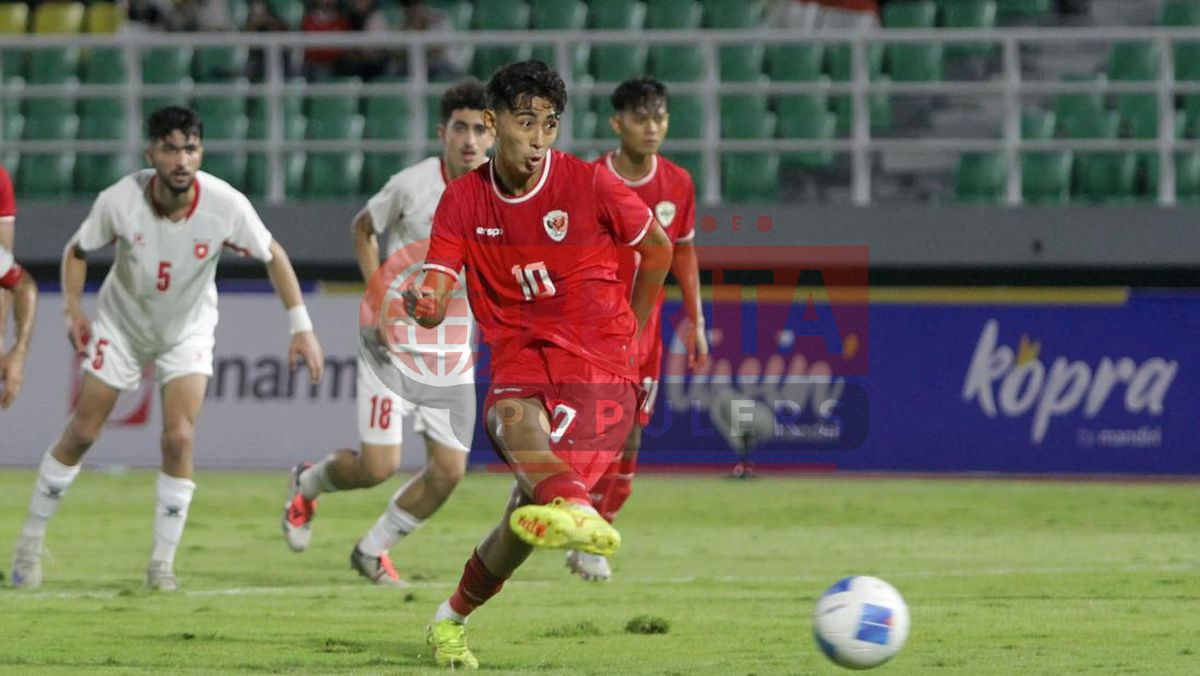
[
  {"x": 8, "y": 201},
  {"x": 670, "y": 193},
  {"x": 543, "y": 267}
]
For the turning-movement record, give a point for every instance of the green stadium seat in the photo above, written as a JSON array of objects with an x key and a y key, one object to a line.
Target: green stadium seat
[
  {"x": 433, "y": 116},
  {"x": 913, "y": 62},
  {"x": 48, "y": 108},
  {"x": 293, "y": 174},
  {"x": 1133, "y": 61},
  {"x": 602, "y": 106},
  {"x": 614, "y": 63},
  {"x": 96, "y": 171},
  {"x": 334, "y": 115},
  {"x": 105, "y": 65},
  {"x": 386, "y": 116},
  {"x": 459, "y": 11},
  {"x": 212, "y": 107},
  {"x": 42, "y": 176},
  {"x": 1181, "y": 13},
  {"x": 226, "y": 127},
  {"x": 806, "y": 116},
  {"x": 1104, "y": 124},
  {"x": 960, "y": 14},
  {"x": 104, "y": 18},
  {"x": 797, "y": 62},
  {"x": 11, "y": 127},
  {"x": 1139, "y": 115},
  {"x": 1038, "y": 125},
  {"x": 14, "y": 20},
  {"x": 43, "y": 123},
  {"x": 741, "y": 63},
  {"x": 841, "y": 69},
  {"x": 673, "y": 14},
  {"x": 561, "y": 15},
  {"x": 693, "y": 162},
  {"x": 153, "y": 103},
  {"x": 746, "y": 116},
  {"x": 1046, "y": 177},
  {"x": 732, "y": 14},
  {"x": 166, "y": 65},
  {"x": 686, "y": 116},
  {"x": 583, "y": 122},
  {"x": 1107, "y": 177},
  {"x": 499, "y": 15},
  {"x": 1023, "y": 9},
  {"x": 1187, "y": 178},
  {"x": 52, "y": 65},
  {"x": 229, "y": 166},
  {"x": 218, "y": 64},
  {"x": 980, "y": 177},
  {"x": 677, "y": 63},
  {"x": 747, "y": 177},
  {"x": 290, "y": 12},
  {"x": 102, "y": 119},
  {"x": 1071, "y": 106},
  {"x": 378, "y": 168},
  {"x": 332, "y": 175}
]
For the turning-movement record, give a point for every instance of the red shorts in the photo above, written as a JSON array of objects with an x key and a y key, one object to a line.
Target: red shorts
[{"x": 590, "y": 410}]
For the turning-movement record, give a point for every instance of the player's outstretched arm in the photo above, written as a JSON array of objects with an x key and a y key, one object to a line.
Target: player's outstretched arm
[
  {"x": 686, "y": 269},
  {"x": 12, "y": 363},
  {"x": 74, "y": 274},
  {"x": 655, "y": 251},
  {"x": 304, "y": 343},
  {"x": 425, "y": 301},
  {"x": 366, "y": 244}
]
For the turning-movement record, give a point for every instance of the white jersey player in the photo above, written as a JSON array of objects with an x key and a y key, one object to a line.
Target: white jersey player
[
  {"x": 158, "y": 304},
  {"x": 14, "y": 279},
  {"x": 403, "y": 210}
]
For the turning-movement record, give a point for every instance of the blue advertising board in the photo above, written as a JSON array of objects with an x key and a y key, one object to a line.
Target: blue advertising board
[{"x": 1099, "y": 381}]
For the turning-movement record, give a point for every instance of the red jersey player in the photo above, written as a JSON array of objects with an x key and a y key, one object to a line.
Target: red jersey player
[
  {"x": 8, "y": 224},
  {"x": 539, "y": 232},
  {"x": 12, "y": 363},
  {"x": 640, "y": 120}
]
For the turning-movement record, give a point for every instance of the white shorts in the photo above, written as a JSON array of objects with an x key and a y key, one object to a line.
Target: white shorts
[
  {"x": 118, "y": 361},
  {"x": 381, "y": 411}
]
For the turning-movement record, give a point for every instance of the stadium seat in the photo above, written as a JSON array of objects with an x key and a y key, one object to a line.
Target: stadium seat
[
  {"x": 673, "y": 14},
  {"x": 499, "y": 15},
  {"x": 980, "y": 177},
  {"x": 459, "y": 11},
  {"x": 334, "y": 115},
  {"x": 976, "y": 14},
  {"x": 45, "y": 175},
  {"x": 1046, "y": 177},
  {"x": 1181, "y": 13},
  {"x": 1133, "y": 61},
  {"x": 583, "y": 122},
  {"x": 841, "y": 69},
  {"x": 104, "y": 65},
  {"x": 332, "y": 175},
  {"x": 798, "y": 62},
  {"x": 293, "y": 174},
  {"x": 1022, "y": 9},
  {"x": 677, "y": 63},
  {"x": 104, "y": 17},
  {"x": 746, "y": 116},
  {"x": 166, "y": 65},
  {"x": 102, "y": 118},
  {"x": 14, "y": 20},
  {"x": 58, "y": 17},
  {"x": 50, "y": 120},
  {"x": 52, "y": 65},
  {"x": 1071, "y": 106},
  {"x": 1187, "y": 177},
  {"x": 386, "y": 117},
  {"x": 1083, "y": 125},
  {"x": 433, "y": 116},
  {"x": 693, "y": 162},
  {"x": 741, "y": 63},
  {"x": 377, "y": 168},
  {"x": 732, "y": 14},
  {"x": 217, "y": 64},
  {"x": 1038, "y": 124},
  {"x": 11, "y": 127},
  {"x": 96, "y": 171},
  {"x": 806, "y": 116},
  {"x": 1107, "y": 177},
  {"x": 913, "y": 62},
  {"x": 548, "y": 15},
  {"x": 687, "y": 116},
  {"x": 290, "y": 12},
  {"x": 614, "y": 63},
  {"x": 750, "y": 177},
  {"x": 211, "y": 108}
]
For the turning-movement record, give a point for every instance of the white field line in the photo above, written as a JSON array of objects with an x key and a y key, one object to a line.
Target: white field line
[{"x": 732, "y": 579}]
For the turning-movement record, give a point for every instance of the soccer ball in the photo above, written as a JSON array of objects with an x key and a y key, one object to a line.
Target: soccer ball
[{"x": 860, "y": 622}]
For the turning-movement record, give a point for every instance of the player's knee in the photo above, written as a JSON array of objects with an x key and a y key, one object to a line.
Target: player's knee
[
  {"x": 444, "y": 474},
  {"x": 376, "y": 468},
  {"x": 82, "y": 432},
  {"x": 177, "y": 438}
]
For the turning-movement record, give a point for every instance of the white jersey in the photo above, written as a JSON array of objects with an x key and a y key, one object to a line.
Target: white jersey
[
  {"x": 403, "y": 209},
  {"x": 160, "y": 289}
]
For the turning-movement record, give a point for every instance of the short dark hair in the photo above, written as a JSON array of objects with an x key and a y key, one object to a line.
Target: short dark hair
[
  {"x": 469, "y": 93},
  {"x": 638, "y": 92},
  {"x": 174, "y": 118},
  {"x": 516, "y": 83}
]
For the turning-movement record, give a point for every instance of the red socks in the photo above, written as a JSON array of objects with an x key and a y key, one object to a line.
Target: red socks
[
  {"x": 613, "y": 489},
  {"x": 475, "y": 587},
  {"x": 566, "y": 485}
]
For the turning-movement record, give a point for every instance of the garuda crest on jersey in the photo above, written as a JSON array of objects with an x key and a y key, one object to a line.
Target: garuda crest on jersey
[
  {"x": 556, "y": 225},
  {"x": 664, "y": 211}
]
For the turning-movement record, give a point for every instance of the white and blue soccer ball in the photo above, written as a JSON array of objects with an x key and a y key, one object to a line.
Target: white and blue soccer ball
[{"x": 860, "y": 622}]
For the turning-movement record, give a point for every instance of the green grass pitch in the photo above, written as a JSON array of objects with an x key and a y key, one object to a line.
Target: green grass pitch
[{"x": 1001, "y": 577}]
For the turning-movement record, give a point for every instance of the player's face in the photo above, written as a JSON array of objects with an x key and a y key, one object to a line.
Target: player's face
[
  {"x": 466, "y": 140},
  {"x": 176, "y": 159},
  {"x": 642, "y": 129},
  {"x": 524, "y": 135}
]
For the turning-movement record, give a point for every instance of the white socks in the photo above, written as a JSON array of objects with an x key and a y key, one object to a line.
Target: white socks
[
  {"x": 170, "y": 515},
  {"x": 392, "y": 525},
  {"x": 314, "y": 481},
  {"x": 53, "y": 479},
  {"x": 445, "y": 612}
]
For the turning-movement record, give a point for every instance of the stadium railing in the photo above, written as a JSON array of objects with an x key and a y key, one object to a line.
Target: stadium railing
[{"x": 859, "y": 144}]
